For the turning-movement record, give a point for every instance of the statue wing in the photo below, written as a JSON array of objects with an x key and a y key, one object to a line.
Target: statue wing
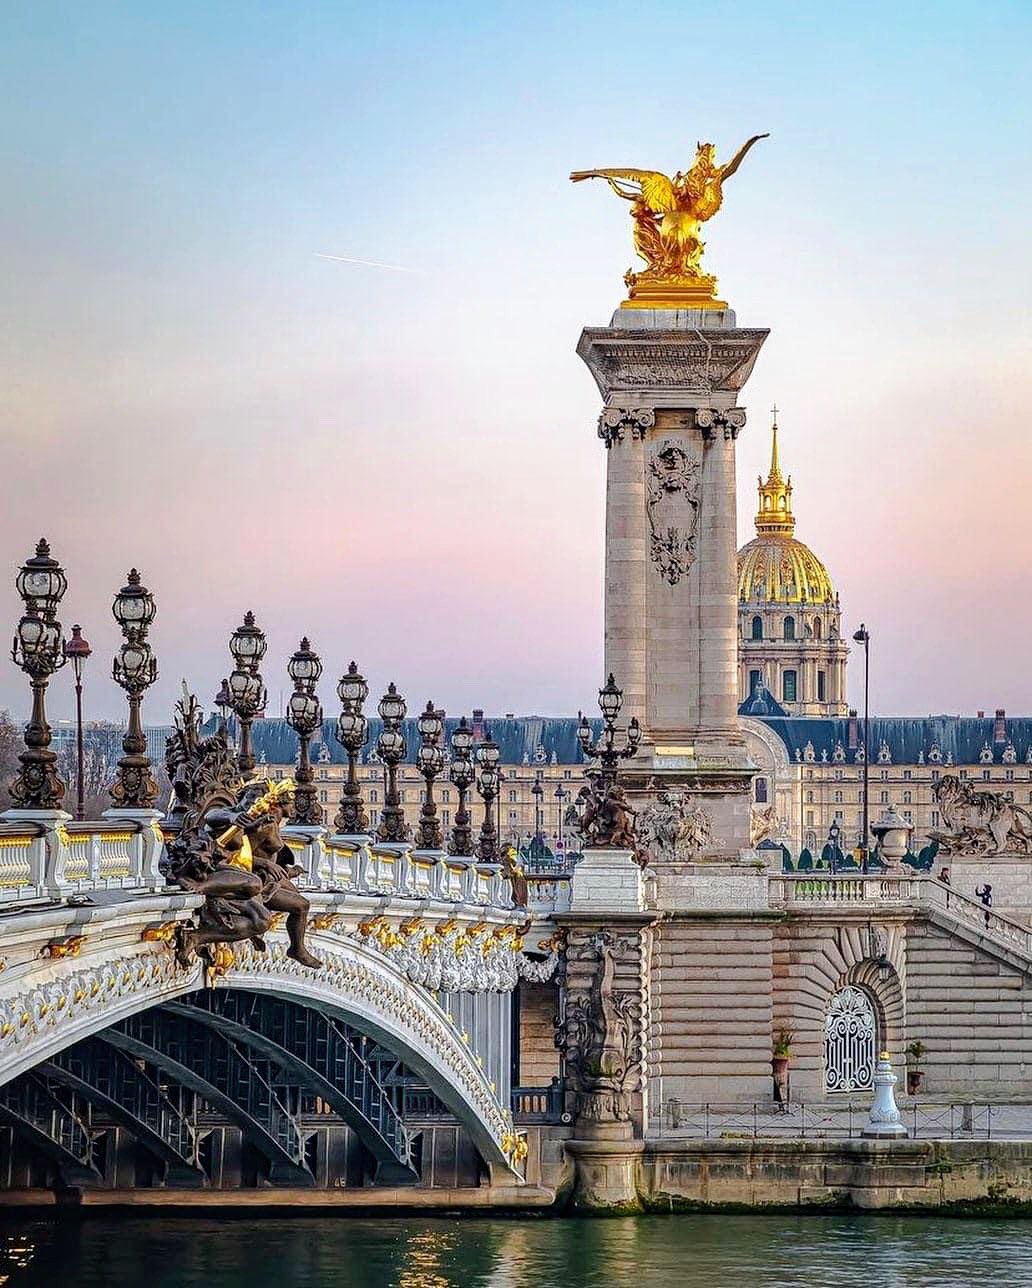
[{"x": 656, "y": 189}]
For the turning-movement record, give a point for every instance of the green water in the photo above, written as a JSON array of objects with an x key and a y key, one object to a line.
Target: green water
[{"x": 729, "y": 1251}]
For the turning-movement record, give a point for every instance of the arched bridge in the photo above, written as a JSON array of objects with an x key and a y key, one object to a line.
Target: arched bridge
[{"x": 119, "y": 1067}]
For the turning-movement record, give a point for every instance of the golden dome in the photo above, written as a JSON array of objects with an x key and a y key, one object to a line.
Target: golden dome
[{"x": 774, "y": 566}]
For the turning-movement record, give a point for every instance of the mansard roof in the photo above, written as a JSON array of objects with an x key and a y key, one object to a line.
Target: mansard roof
[{"x": 958, "y": 738}]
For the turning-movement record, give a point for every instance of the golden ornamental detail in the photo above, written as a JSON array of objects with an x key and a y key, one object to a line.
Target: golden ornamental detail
[{"x": 668, "y": 214}]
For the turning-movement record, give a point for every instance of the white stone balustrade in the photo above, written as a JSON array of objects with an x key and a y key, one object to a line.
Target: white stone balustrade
[{"x": 40, "y": 861}]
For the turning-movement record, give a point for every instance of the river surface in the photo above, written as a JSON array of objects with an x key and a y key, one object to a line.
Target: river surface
[{"x": 411, "y": 1252}]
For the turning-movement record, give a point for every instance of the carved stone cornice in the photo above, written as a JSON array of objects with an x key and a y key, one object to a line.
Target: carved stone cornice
[
  {"x": 710, "y": 421},
  {"x": 614, "y": 421},
  {"x": 673, "y": 368}
]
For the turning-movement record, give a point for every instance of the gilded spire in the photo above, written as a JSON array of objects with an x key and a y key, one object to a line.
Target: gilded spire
[{"x": 775, "y": 511}]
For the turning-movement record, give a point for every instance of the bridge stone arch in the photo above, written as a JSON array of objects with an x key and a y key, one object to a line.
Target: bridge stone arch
[{"x": 59, "y": 1003}]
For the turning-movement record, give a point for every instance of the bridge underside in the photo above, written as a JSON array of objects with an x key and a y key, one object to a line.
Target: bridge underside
[{"x": 228, "y": 1089}]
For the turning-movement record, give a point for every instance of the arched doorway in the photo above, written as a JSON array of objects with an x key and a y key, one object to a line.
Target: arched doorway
[{"x": 850, "y": 1041}]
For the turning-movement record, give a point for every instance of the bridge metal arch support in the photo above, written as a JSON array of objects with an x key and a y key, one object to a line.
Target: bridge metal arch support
[
  {"x": 31, "y": 1109},
  {"x": 359, "y": 987}
]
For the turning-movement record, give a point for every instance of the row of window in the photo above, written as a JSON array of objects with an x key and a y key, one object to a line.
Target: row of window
[
  {"x": 789, "y": 685},
  {"x": 788, "y": 628}
]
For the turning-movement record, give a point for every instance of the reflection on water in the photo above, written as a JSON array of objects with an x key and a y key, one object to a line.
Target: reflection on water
[{"x": 708, "y": 1251}]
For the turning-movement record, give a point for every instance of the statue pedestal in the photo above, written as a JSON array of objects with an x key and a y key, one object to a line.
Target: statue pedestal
[
  {"x": 607, "y": 881},
  {"x": 670, "y": 379}
]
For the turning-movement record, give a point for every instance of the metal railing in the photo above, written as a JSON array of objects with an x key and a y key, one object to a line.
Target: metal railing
[
  {"x": 956, "y": 1120},
  {"x": 539, "y": 1104}
]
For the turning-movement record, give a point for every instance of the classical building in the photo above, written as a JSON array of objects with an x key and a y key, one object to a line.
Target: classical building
[{"x": 789, "y": 622}]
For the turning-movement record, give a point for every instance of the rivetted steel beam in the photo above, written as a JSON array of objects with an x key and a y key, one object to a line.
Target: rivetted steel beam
[
  {"x": 109, "y": 1079},
  {"x": 328, "y": 1065},
  {"x": 287, "y": 1166},
  {"x": 29, "y": 1106}
]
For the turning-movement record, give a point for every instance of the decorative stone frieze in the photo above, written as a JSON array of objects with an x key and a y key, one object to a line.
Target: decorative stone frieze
[{"x": 456, "y": 958}]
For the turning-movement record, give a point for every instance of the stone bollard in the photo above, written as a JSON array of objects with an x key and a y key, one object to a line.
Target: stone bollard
[{"x": 883, "y": 1122}]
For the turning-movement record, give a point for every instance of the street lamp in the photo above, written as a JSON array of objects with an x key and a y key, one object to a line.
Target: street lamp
[
  {"x": 561, "y": 797},
  {"x": 135, "y": 669},
  {"x": 247, "y": 695},
  {"x": 38, "y": 649},
  {"x": 391, "y": 748},
  {"x": 537, "y": 791},
  {"x": 352, "y": 732},
  {"x": 77, "y": 650},
  {"x": 223, "y": 701},
  {"x": 488, "y": 776},
  {"x": 604, "y": 748},
  {"x": 462, "y": 773},
  {"x": 430, "y": 762},
  {"x": 862, "y": 636},
  {"x": 304, "y": 715}
]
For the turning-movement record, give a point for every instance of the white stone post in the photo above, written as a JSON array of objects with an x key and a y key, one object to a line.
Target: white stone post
[
  {"x": 146, "y": 847},
  {"x": 883, "y": 1122},
  {"x": 607, "y": 881}
]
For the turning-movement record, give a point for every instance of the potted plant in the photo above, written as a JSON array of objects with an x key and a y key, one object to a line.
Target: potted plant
[
  {"x": 780, "y": 1057},
  {"x": 915, "y": 1052}
]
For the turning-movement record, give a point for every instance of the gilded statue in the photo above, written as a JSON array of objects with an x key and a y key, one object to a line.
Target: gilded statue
[{"x": 668, "y": 215}]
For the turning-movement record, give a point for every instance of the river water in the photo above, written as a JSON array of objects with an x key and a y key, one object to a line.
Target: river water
[{"x": 768, "y": 1251}]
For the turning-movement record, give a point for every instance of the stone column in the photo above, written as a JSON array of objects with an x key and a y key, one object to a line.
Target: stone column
[
  {"x": 718, "y": 546},
  {"x": 623, "y": 430}
]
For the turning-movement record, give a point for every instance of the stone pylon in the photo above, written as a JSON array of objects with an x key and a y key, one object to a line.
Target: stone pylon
[{"x": 670, "y": 380}]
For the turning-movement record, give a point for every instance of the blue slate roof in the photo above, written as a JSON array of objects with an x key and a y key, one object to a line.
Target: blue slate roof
[{"x": 959, "y": 738}]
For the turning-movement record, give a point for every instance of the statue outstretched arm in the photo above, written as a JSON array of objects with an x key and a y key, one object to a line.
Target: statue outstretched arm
[{"x": 726, "y": 171}]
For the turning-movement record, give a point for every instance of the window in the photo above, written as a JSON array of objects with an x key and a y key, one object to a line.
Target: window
[
  {"x": 907, "y": 797},
  {"x": 809, "y": 818},
  {"x": 757, "y": 627},
  {"x": 935, "y": 818},
  {"x": 446, "y": 817},
  {"x": 838, "y": 798},
  {"x": 908, "y": 816},
  {"x": 512, "y": 797},
  {"x": 789, "y": 628},
  {"x": 567, "y": 773},
  {"x": 839, "y": 775},
  {"x": 885, "y": 775},
  {"x": 761, "y": 791},
  {"x": 821, "y": 687},
  {"x": 755, "y": 680},
  {"x": 374, "y": 796},
  {"x": 1009, "y": 775},
  {"x": 809, "y": 798},
  {"x": 445, "y": 794},
  {"x": 788, "y": 683},
  {"x": 884, "y": 798},
  {"x": 838, "y": 815},
  {"x": 816, "y": 628},
  {"x": 907, "y": 775},
  {"x": 985, "y": 774}
]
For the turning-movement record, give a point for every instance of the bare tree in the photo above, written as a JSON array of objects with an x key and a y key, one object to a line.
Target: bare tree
[{"x": 11, "y": 743}]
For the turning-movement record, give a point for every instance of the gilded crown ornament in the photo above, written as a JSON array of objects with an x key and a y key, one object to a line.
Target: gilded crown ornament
[{"x": 668, "y": 213}]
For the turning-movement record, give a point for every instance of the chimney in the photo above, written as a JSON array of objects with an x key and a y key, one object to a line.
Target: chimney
[
  {"x": 1000, "y": 726},
  {"x": 853, "y": 739},
  {"x": 478, "y": 722},
  {"x": 979, "y": 715}
]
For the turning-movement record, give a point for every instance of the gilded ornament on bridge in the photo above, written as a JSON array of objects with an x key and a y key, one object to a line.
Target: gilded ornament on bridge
[{"x": 668, "y": 214}]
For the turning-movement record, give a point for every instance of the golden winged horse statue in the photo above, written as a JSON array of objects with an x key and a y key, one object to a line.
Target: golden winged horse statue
[{"x": 668, "y": 214}]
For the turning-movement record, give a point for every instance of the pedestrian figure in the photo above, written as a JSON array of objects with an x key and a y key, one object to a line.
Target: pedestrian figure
[
  {"x": 944, "y": 877},
  {"x": 985, "y": 893}
]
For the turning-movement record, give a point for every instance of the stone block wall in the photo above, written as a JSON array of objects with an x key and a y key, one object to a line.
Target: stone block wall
[
  {"x": 539, "y": 1056},
  {"x": 973, "y": 1011},
  {"x": 712, "y": 1010}
]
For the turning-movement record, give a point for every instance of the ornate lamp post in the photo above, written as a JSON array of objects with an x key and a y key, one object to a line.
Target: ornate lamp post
[
  {"x": 561, "y": 797},
  {"x": 862, "y": 636},
  {"x": 38, "y": 650},
  {"x": 352, "y": 732},
  {"x": 247, "y": 694},
  {"x": 391, "y": 747},
  {"x": 223, "y": 701},
  {"x": 77, "y": 650},
  {"x": 430, "y": 762},
  {"x": 462, "y": 773},
  {"x": 604, "y": 749},
  {"x": 304, "y": 715},
  {"x": 487, "y": 785},
  {"x": 135, "y": 670},
  {"x": 537, "y": 791}
]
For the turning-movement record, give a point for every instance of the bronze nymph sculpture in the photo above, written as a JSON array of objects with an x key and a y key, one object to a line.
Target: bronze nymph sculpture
[{"x": 229, "y": 845}]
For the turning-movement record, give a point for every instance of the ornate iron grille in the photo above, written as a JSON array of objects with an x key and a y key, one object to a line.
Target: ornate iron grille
[{"x": 850, "y": 1041}]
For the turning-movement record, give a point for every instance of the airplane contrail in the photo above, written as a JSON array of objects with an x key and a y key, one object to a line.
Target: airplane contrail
[{"x": 369, "y": 263}]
